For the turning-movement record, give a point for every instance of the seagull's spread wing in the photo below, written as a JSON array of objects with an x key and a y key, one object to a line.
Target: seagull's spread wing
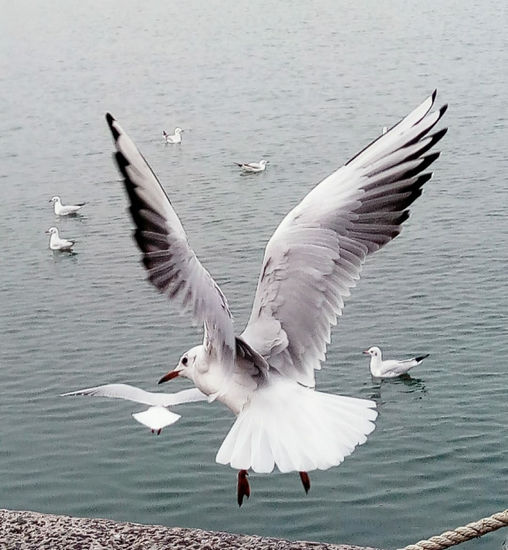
[
  {"x": 316, "y": 254},
  {"x": 157, "y": 416},
  {"x": 172, "y": 266},
  {"x": 132, "y": 393}
]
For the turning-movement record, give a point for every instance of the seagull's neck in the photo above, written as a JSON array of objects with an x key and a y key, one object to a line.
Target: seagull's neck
[
  {"x": 232, "y": 389},
  {"x": 375, "y": 364}
]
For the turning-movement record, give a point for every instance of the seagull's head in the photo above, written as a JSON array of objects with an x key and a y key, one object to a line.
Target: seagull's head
[
  {"x": 54, "y": 199},
  {"x": 52, "y": 230},
  {"x": 186, "y": 366},
  {"x": 178, "y": 131},
  {"x": 263, "y": 162},
  {"x": 373, "y": 352}
]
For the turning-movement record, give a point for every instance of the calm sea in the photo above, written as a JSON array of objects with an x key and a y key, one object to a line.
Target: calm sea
[{"x": 305, "y": 85}]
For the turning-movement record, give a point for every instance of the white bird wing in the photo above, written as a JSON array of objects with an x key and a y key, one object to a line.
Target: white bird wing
[
  {"x": 133, "y": 393},
  {"x": 396, "y": 368},
  {"x": 316, "y": 254},
  {"x": 172, "y": 265}
]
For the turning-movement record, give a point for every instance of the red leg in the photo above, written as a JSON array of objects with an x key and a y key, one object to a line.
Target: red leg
[
  {"x": 243, "y": 486},
  {"x": 304, "y": 476}
]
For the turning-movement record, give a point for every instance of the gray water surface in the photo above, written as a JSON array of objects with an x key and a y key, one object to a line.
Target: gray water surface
[{"x": 305, "y": 85}]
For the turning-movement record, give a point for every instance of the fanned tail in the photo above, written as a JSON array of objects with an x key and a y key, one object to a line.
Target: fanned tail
[{"x": 296, "y": 429}]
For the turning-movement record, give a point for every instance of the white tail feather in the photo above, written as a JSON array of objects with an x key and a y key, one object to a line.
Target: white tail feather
[
  {"x": 296, "y": 429},
  {"x": 156, "y": 418}
]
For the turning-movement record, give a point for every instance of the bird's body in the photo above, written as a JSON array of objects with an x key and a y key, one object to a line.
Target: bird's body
[
  {"x": 158, "y": 416},
  {"x": 66, "y": 209},
  {"x": 57, "y": 243},
  {"x": 390, "y": 368},
  {"x": 173, "y": 139},
  {"x": 253, "y": 167},
  {"x": 266, "y": 376}
]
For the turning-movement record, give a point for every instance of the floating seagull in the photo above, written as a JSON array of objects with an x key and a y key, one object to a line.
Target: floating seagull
[
  {"x": 175, "y": 138},
  {"x": 56, "y": 243},
  {"x": 158, "y": 416},
  {"x": 390, "y": 368},
  {"x": 67, "y": 209},
  {"x": 265, "y": 376},
  {"x": 253, "y": 166}
]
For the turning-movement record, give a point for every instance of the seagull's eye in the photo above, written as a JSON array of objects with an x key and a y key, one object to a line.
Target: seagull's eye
[{"x": 184, "y": 360}]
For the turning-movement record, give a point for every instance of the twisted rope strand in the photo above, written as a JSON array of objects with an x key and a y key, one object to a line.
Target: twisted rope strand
[{"x": 462, "y": 534}]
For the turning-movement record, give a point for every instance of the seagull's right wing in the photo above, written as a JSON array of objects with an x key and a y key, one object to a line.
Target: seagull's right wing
[
  {"x": 172, "y": 265},
  {"x": 132, "y": 393},
  {"x": 317, "y": 253},
  {"x": 396, "y": 368}
]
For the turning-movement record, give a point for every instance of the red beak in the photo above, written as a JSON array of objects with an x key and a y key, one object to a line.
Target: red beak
[
  {"x": 366, "y": 352},
  {"x": 169, "y": 376}
]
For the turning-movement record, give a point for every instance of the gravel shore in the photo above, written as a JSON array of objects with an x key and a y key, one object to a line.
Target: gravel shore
[{"x": 31, "y": 530}]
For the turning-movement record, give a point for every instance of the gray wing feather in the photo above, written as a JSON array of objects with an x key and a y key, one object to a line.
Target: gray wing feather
[
  {"x": 316, "y": 254},
  {"x": 172, "y": 265}
]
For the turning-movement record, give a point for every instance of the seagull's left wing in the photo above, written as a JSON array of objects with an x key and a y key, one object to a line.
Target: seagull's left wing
[
  {"x": 172, "y": 265},
  {"x": 316, "y": 254}
]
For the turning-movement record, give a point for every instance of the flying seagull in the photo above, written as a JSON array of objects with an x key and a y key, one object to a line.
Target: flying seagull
[
  {"x": 65, "y": 209},
  {"x": 158, "y": 415},
  {"x": 57, "y": 243},
  {"x": 175, "y": 138},
  {"x": 266, "y": 376},
  {"x": 391, "y": 368},
  {"x": 253, "y": 167}
]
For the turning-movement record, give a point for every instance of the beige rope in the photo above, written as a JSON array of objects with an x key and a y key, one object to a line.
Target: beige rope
[{"x": 462, "y": 534}]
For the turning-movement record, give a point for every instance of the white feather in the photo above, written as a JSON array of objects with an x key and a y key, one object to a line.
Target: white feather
[{"x": 296, "y": 429}]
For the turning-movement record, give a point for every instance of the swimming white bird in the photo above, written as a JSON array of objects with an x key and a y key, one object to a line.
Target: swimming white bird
[
  {"x": 265, "y": 376},
  {"x": 175, "y": 138},
  {"x": 67, "y": 209},
  {"x": 158, "y": 416},
  {"x": 391, "y": 368},
  {"x": 253, "y": 166},
  {"x": 57, "y": 243}
]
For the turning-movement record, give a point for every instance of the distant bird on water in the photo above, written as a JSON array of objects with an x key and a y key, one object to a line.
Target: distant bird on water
[
  {"x": 57, "y": 243},
  {"x": 253, "y": 166},
  {"x": 65, "y": 209},
  {"x": 266, "y": 376},
  {"x": 390, "y": 368},
  {"x": 175, "y": 138}
]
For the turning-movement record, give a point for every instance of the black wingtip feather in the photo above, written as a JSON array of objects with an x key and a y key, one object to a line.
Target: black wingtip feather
[
  {"x": 434, "y": 95},
  {"x": 110, "y": 120},
  {"x": 432, "y": 140},
  {"x": 404, "y": 216},
  {"x": 121, "y": 161},
  {"x": 426, "y": 161}
]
